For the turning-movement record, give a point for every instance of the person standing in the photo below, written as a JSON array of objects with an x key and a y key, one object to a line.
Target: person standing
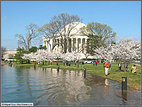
[
  {"x": 64, "y": 62},
  {"x": 134, "y": 69},
  {"x": 126, "y": 67},
  {"x": 106, "y": 65},
  {"x": 93, "y": 63},
  {"x": 82, "y": 64},
  {"x": 96, "y": 63},
  {"x": 119, "y": 65}
]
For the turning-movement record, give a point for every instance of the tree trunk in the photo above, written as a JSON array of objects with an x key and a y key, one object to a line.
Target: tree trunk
[
  {"x": 124, "y": 67},
  {"x": 78, "y": 64}
]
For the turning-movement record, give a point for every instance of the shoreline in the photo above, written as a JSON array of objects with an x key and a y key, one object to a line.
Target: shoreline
[
  {"x": 3, "y": 63},
  {"x": 88, "y": 71}
]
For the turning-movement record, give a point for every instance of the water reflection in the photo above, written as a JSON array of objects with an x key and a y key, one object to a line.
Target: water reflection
[
  {"x": 23, "y": 81},
  {"x": 106, "y": 82},
  {"x": 124, "y": 95},
  {"x": 66, "y": 87}
]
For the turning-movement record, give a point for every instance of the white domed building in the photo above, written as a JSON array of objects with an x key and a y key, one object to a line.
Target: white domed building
[{"x": 76, "y": 41}]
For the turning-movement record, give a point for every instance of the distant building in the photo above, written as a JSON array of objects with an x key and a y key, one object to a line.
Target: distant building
[{"x": 9, "y": 54}]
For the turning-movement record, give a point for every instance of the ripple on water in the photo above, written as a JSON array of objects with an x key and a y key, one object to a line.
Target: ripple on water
[
  {"x": 48, "y": 97},
  {"x": 50, "y": 92},
  {"x": 82, "y": 97},
  {"x": 54, "y": 87},
  {"x": 85, "y": 89},
  {"x": 83, "y": 94}
]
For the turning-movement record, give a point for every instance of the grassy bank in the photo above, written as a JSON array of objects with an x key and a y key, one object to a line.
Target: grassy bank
[{"x": 133, "y": 79}]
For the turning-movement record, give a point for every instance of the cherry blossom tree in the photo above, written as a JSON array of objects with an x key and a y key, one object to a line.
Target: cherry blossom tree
[
  {"x": 68, "y": 56},
  {"x": 125, "y": 51},
  {"x": 40, "y": 55},
  {"x": 73, "y": 56}
]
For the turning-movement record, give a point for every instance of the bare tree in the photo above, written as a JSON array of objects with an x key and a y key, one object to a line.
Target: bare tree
[
  {"x": 31, "y": 33},
  {"x": 3, "y": 50},
  {"x": 61, "y": 26},
  {"x": 49, "y": 30}
]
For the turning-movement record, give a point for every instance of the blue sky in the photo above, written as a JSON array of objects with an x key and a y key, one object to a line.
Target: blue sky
[{"x": 123, "y": 16}]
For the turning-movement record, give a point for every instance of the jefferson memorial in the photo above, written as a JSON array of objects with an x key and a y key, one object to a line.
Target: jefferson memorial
[{"x": 76, "y": 41}]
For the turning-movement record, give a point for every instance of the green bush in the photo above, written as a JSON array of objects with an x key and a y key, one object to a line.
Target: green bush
[
  {"x": 24, "y": 61},
  {"x": 33, "y": 49}
]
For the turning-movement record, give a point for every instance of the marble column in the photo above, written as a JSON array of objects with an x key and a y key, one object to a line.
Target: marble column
[
  {"x": 48, "y": 47},
  {"x": 85, "y": 46},
  {"x": 76, "y": 44},
  {"x": 63, "y": 41},
  {"x": 43, "y": 43},
  {"x": 72, "y": 45},
  {"x": 67, "y": 43},
  {"x": 81, "y": 44}
]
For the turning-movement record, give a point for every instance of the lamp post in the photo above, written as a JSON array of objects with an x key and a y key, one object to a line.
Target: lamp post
[
  {"x": 124, "y": 83},
  {"x": 58, "y": 69},
  {"x": 85, "y": 73}
]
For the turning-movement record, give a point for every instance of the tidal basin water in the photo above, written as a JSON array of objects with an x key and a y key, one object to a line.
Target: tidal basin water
[{"x": 46, "y": 86}]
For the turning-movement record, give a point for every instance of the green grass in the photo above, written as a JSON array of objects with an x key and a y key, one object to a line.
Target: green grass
[
  {"x": 133, "y": 79},
  {"x": 23, "y": 64}
]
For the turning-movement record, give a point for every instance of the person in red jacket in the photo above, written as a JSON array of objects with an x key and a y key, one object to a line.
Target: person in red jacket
[
  {"x": 106, "y": 65},
  {"x": 96, "y": 63}
]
